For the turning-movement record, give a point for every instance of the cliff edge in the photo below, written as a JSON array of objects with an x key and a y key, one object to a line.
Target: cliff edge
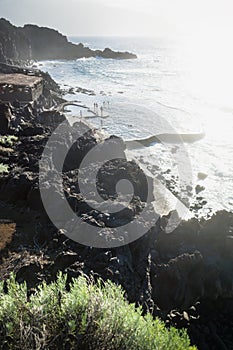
[{"x": 32, "y": 42}]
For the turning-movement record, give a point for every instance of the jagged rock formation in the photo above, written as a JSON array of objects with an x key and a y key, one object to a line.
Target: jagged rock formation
[
  {"x": 14, "y": 45},
  {"x": 40, "y": 43},
  {"x": 189, "y": 269}
]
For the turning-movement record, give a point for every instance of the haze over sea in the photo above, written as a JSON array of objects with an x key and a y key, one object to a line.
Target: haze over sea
[{"x": 184, "y": 85}]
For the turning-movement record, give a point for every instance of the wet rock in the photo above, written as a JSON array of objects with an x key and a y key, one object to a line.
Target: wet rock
[
  {"x": 71, "y": 91},
  {"x": 108, "y": 53},
  {"x": 199, "y": 189},
  {"x": 85, "y": 91},
  {"x": 189, "y": 188},
  {"x": 202, "y": 176}
]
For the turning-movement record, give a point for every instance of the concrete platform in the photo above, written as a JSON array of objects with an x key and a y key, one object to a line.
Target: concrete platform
[{"x": 21, "y": 87}]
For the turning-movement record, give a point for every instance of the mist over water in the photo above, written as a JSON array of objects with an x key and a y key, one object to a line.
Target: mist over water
[{"x": 169, "y": 81}]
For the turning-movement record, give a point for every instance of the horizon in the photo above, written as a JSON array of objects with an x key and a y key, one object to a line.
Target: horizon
[
  {"x": 145, "y": 36},
  {"x": 148, "y": 18},
  {"x": 203, "y": 31},
  {"x": 70, "y": 36}
]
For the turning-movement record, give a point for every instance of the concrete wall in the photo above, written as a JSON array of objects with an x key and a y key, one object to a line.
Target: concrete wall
[{"x": 20, "y": 93}]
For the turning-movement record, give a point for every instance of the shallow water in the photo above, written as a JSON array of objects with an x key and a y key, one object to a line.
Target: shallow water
[{"x": 164, "y": 90}]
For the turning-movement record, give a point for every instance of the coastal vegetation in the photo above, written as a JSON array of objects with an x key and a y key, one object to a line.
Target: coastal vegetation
[
  {"x": 6, "y": 144},
  {"x": 185, "y": 276},
  {"x": 83, "y": 316},
  {"x": 8, "y": 140},
  {"x": 3, "y": 168}
]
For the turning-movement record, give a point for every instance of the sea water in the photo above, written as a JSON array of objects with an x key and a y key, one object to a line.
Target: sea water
[{"x": 170, "y": 87}]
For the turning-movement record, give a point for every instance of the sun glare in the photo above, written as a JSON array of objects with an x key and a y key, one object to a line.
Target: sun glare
[{"x": 209, "y": 63}]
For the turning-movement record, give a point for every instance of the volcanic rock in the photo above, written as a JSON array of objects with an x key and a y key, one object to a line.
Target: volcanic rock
[{"x": 40, "y": 43}]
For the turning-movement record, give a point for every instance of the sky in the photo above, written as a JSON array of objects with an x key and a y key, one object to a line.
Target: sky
[{"x": 156, "y": 18}]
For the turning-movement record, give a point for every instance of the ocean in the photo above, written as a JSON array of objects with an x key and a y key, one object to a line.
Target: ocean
[{"x": 171, "y": 87}]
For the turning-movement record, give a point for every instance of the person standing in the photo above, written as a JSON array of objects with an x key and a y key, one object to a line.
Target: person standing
[{"x": 101, "y": 111}]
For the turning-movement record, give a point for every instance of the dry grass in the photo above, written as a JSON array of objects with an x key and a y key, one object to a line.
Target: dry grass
[{"x": 7, "y": 231}]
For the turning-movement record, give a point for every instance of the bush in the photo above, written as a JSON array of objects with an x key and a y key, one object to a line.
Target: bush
[
  {"x": 8, "y": 141},
  {"x": 3, "y": 168},
  {"x": 88, "y": 316}
]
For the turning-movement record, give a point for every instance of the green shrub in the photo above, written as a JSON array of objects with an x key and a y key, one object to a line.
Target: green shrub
[
  {"x": 3, "y": 168},
  {"x": 8, "y": 140},
  {"x": 88, "y": 316}
]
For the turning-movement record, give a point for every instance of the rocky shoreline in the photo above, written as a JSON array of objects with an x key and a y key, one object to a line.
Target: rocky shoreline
[
  {"x": 21, "y": 44},
  {"x": 185, "y": 277}
]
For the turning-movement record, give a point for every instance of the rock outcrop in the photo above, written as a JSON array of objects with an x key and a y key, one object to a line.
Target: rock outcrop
[
  {"x": 5, "y": 118},
  {"x": 185, "y": 277},
  {"x": 14, "y": 45},
  {"x": 32, "y": 42}
]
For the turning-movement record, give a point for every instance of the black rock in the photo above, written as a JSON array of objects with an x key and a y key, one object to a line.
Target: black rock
[
  {"x": 5, "y": 118},
  {"x": 32, "y": 42}
]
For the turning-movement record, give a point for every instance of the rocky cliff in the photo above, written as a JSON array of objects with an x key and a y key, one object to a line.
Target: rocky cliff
[
  {"x": 14, "y": 45},
  {"x": 41, "y": 43},
  {"x": 185, "y": 277}
]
